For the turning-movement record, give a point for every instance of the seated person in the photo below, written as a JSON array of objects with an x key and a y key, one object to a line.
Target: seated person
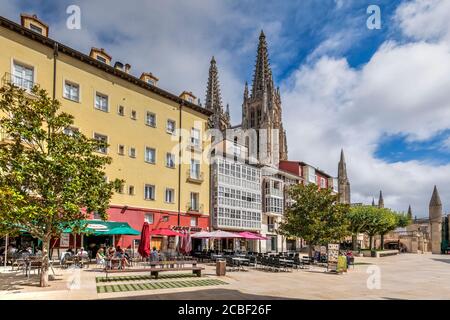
[
  {"x": 100, "y": 256},
  {"x": 82, "y": 253}
]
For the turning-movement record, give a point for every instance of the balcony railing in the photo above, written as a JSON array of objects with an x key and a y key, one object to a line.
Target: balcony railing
[
  {"x": 194, "y": 209},
  {"x": 20, "y": 82},
  {"x": 194, "y": 176}
]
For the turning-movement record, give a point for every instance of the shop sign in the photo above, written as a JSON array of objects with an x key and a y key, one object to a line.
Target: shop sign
[{"x": 64, "y": 240}]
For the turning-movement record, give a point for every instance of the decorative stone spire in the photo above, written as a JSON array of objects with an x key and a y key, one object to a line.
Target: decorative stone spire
[
  {"x": 213, "y": 102},
  {"x": 435, "y": 215},
  {"x": 409, "y": 214},
  {"x": 373, "y": 202},
  {"x": 435, "y": 208},
  {"x": 213, "y": 98},
  {"x": 246, "y": 91},
  {"x": 343, "y": 183},
  {"x": 262, "y": 78},
  {"x": 381, "y": 200}
]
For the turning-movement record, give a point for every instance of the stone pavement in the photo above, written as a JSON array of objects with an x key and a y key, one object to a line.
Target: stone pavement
[{"x": 408, "y": 276}]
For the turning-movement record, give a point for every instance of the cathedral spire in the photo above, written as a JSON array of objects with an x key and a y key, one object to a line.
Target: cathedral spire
[
  {"x": 343, "y": 183},
  {"x": 262, "y": 76},
  {"x": 246, "y": 91},
  {"x": 373, "y": 202},
  {"x": 213, "y": 98},
  {"x": 219, "y": 120},
  {"x": 409, "y": 214},
  {"x": 381, "y": 200}
]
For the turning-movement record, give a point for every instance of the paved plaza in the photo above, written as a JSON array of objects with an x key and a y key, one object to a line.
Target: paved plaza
[{"x": 408, "y": 276}]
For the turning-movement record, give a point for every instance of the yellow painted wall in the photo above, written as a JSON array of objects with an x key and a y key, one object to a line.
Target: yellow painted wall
[{"x": 119, "y": 129}]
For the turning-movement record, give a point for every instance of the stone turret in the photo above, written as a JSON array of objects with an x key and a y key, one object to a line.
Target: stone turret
[
  {"x": 343, "y": 183},
  {"x": 435, "y": 215},
  {"x": 381, "y": 200}
]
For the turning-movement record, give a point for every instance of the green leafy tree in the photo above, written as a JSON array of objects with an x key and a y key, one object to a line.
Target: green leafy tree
[
  {"x": 387, "y": 222},
  {"x": 48, "y": 178},
  {"x": 315, "y": 215},
  {"x": 358, "y": 218}
]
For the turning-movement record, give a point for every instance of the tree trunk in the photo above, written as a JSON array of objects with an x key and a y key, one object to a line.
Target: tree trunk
[
  {"x": 370, "y": 242},
  {"x": 45, "y": 262},
  {"x": 382, "y": 242},
  {"x": 354, "y": 243},
  {"x": 310, "y": 253}
]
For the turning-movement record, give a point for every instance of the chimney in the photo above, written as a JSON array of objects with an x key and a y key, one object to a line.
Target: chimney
[
  {"x": 33, "y": 23},
  {"x": 127, "y": 68},
  {"x": 118, "y": 65}
]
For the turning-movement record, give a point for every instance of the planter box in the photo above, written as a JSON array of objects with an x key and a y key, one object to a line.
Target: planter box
[{"x": 379, "y": 254}]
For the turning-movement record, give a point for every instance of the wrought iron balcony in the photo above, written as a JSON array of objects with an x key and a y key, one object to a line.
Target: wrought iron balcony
[
  {"x": 18, "y": 81},
  {"x": 194, "y": 208},
  {"x": 195, "y": 176}
]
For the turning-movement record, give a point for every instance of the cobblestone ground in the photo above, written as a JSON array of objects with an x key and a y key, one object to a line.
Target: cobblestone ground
[{"x": 408, "y": 276}]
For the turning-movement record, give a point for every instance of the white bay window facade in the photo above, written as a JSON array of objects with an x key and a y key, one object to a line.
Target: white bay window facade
[{"x": 235, "y": 195}]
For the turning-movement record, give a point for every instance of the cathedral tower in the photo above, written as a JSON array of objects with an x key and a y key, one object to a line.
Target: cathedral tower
[
  {"x": 343, "y": 183},
  {"x": 261, "y": 110},
  {"x": 435, "y": 215}
]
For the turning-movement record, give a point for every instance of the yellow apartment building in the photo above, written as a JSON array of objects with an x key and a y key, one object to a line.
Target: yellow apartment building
[{"x": 139, "y": 120}]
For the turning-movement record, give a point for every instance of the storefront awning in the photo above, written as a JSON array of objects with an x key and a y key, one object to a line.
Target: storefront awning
[{"x": 99, "y": 228}]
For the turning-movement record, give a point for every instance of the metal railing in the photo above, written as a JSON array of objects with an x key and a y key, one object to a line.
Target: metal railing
[
  {"x": 195, "y": 176},
  {"x": 20, "y": 82},
  {"x": 191, "y": 208}
]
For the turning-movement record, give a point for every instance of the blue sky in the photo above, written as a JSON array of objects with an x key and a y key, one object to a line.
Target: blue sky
[{"x": 382, "y": 95}]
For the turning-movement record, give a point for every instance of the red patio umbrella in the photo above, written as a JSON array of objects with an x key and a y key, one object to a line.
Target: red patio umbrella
[
  {"x": 144, "y": 244},
  {"x": 252, "y": 236}
]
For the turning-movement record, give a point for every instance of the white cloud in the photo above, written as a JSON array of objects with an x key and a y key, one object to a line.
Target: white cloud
[
  {"x": 404, "y": 88},
  {"x": 425, "y": 19}
]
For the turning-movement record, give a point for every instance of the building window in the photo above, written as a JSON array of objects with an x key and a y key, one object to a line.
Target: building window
[
  {"x": 312, "y": 175},
  {"x": 170, "y": 160},
  {"x": 195, "y": 169},
  {"x": 71, "y": 91},
  {"x": 170, "y": 126},
  {"x": 149, "y": 192},
  {"x": 194, "y": 201},
  {"x": 131, "y": 190},
  {"x": 70, "y": 131},
  {"x": 323, "y": 182},
  {"x": 133, "y": 114},
  {"x": 104, "y": 139},
  {"x": 35, "y": 28},
  {"x": 101, "y": 59},
  {"x": 121, "y": 111},
  {"x": 23, "y": 76},
  {"x": 194, "y": 221},
  {"x": 170, "y": 195},
  {"x": 148, "y": 218},
  {"x": 151, "y": 82},
  {"x": 132, "y": 152},
  {"x": 150, "y": 119},
  {"x": 195, "y": 137},
  {"x": 101, "y": 102},
  {"x": 122, "y": 189},
  {"x": 121, "y": 150},
  {"x": 150, "y": 155}
]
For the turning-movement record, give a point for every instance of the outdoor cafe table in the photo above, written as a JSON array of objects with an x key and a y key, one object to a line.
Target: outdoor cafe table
[{"x": 240, "y": 260}]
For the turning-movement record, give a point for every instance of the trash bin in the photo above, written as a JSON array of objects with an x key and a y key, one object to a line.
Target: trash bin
[{"x": 221, "y": 267}]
